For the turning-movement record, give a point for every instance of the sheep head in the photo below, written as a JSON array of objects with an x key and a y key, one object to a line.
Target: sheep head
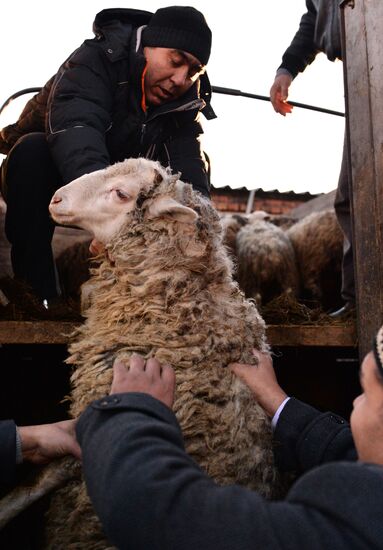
[{"x": 101, "y": 201}]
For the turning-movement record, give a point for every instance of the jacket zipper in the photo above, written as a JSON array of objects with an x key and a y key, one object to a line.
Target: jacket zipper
[
  {"x": 188, "y": 106},
  {"x": 143, "y": 131},
  {"x": 200, "y": 103}
]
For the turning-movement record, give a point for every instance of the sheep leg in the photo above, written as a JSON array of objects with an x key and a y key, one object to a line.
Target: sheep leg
[{"x": 52, "y": 477}]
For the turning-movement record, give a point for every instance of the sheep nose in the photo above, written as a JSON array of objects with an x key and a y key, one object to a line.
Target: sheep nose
[{"x": 56, "y": 199}]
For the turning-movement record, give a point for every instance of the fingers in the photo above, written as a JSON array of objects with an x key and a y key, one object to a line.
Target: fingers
[
  {"x": 244, "y": 372},
  {"x": 120, "y": 371},
  {"x": 70, "y": 446},
  {"x": 67, "y": 425},
  {"x": 136, "y": 363},
  {"x": 264, "y": 358},
  {"x": 153, "y": 368},
  {"x": 168, "y": 375},
  {"x": 279, "y": 93}
]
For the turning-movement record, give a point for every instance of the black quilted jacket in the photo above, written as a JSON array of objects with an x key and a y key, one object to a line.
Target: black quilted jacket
[{"x": 91, "y": 109}]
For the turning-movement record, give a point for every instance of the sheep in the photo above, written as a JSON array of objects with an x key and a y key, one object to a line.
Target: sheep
[
  {"x": 318, "y": 243},
  {"x": 231, "y": 224},
  {"x": 266, "y": 260},
  {"x": 163, "y": 289},
  {"x": 5, "y": 256}
]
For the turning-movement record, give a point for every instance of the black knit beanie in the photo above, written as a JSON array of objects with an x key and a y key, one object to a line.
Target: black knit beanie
[{"x": 181, "y": 28}]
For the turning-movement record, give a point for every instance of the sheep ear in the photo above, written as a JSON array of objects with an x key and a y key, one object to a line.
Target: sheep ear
[{"x": 166, "y": 207}]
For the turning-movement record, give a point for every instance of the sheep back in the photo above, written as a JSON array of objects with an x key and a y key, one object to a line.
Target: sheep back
[
  {"x": 318, "y": 243},
  {"x": 266, "y": 261}
]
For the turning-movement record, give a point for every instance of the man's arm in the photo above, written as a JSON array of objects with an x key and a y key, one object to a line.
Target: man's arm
[
  {"x": 301, "y": 52},
  {"x": 42, "y": 443},
  {"x": 37, "y": 444},
  {"x": 146, "y": 490},
  {"x": 148, "y": 493},
  {"x": 7, "y": 451},
  {"x": 304, "y": 437},
  {"x": 79, "y": 113}
]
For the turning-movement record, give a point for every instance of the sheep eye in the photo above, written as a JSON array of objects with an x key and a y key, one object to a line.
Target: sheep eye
[{"x": 121, "y": 195}]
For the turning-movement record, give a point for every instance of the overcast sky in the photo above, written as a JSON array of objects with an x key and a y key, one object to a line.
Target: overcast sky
[{"x": 248, "y": 144}]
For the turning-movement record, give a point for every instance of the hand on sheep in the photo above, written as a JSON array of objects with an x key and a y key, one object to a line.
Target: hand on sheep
[
  {"x": 279, "y": 92},
  {"x": 262, "y": 382},
  {"x": 145, "y": 377},
  {"x": 41, "y": 444}
]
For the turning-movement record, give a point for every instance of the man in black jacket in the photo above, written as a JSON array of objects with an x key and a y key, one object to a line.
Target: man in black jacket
[
  {"x": 136, "y": 89},
  {"x": 149, "y": 493},
  {"x": 319, "y": 31}
]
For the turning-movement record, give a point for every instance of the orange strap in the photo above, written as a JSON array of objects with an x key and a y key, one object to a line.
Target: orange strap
[{"x": 143, "y": 100}]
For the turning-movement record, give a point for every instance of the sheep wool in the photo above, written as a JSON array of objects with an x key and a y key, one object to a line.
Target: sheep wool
[
  {"x": 165, "y": 289},
  {"x": 318, "y": 243},
  {"x": 266, "y": 261}
]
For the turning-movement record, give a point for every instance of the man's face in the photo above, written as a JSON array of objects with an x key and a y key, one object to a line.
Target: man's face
[
  {"x": 367, "y": 415},
  {"x": 169, "y": 74}
]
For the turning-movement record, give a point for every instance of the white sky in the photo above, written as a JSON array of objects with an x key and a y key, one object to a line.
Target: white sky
[{"x": 248, "y": 144}]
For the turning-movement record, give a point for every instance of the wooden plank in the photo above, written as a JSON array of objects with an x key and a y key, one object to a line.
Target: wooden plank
[
  {"x": 36, "y": 332},
  {"x": 363, "y": 47},
  {"x": 304, "y": 335},
  {"x": 54, "y": 332}
]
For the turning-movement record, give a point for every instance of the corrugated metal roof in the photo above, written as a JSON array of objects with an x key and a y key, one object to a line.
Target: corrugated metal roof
[{"x": 260, "y": 191}]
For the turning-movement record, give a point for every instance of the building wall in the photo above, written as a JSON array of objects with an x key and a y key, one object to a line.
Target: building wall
[{"x": 234, "y": 201}]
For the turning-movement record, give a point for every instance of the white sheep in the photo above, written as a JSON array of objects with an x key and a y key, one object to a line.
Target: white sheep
[
  {"x": 318, "y": 243},
  {"x": 164, "y": 289},
  {"x": 266, "y": 260},
  {"x": 231, "y": 224}
]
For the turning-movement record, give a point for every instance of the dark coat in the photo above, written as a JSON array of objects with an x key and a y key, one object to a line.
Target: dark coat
[
  {"x": 7, "y": 451},
  {"x": 319, "y": 31},
  {"x": 92, "y": 108},
  {"x": 150, "y": 494}
]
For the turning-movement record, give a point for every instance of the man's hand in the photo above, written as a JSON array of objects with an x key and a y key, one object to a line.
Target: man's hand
[
  {"x": 262, "y": 382},
  {"x": 144, "y": 376},
  {"x": 41, "y": 444},
  {"x": 279, "y": 93}
]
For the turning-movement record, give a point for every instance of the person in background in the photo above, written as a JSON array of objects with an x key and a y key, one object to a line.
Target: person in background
[
  {"x": 138, "y": 88},
  {"x": 149, "y": 493},
  {"x": 319, "y": 31},
  {"x": 36, "y": 444}
]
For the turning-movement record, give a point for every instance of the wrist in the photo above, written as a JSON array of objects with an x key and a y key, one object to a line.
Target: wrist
[
  {"x": 28, "y": 440},
  {"x": 273, "y": 402}
]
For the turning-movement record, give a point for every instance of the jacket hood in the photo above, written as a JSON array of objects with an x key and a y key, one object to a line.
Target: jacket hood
[
  {"x": 109, "y": 17},
  {"x": 114, "y": 29}
]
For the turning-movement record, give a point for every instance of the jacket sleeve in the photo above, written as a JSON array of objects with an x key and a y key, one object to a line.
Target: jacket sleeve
[
  {"x": 305, "y": 437},
  {"x": 302, "y": 50},
  {"x": 7, "y": 451},
  {"x": 149, "y": 493},
  {"x": 79, "y": 112}
]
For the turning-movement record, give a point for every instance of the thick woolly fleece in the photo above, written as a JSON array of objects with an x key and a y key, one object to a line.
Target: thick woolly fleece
[{"x": 170, "y": 294}]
